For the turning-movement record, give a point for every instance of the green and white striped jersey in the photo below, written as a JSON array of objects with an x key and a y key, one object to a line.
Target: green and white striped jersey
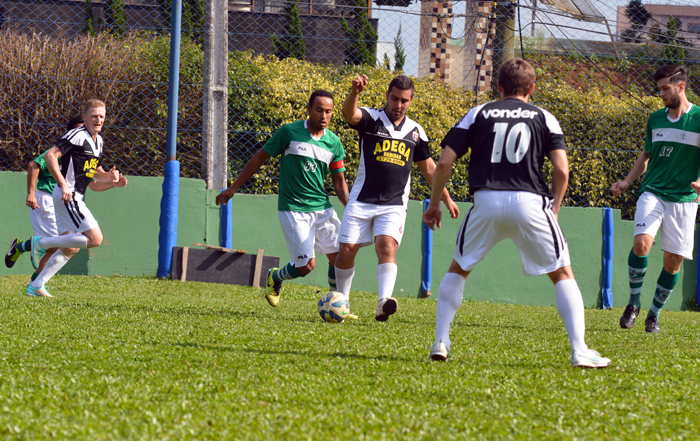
[
  {"x": 674, "y": 147},
  {"x": 304, "y": 165}
]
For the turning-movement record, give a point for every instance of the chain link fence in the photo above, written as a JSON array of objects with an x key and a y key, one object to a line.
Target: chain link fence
[{"x": 594, "y": 62}]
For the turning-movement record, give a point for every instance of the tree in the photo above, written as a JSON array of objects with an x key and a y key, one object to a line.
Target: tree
[
  {"x": 291, "y": 43},
  {"x": 362, "y": 48},
  {"x": 638, "y": 17},
  {"x": 89, "y": 15},
  {"x": 400, "y": 53},
  {"x": 674, "y": 52},
  {"x": 656, "y": 34},
  {"x": 114, "y": 17},
  {"x": 386, "y": 63}
]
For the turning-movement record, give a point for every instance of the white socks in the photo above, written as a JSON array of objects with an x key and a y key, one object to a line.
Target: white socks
[
  {"x": 54, "y": 265},
  {"x": 570, "y": 308},
  {"x": 449, "y": 298},
  {"x": 343, "y": 280},
  {"x": 73, "y": 240},
  {"x": 386, "y": 278}
]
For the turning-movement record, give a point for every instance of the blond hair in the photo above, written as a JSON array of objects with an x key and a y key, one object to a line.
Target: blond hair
[{"x": 93, "y": 103}]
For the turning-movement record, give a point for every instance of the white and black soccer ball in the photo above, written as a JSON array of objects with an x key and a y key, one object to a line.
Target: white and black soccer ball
[{"x": 334, "y": 307}]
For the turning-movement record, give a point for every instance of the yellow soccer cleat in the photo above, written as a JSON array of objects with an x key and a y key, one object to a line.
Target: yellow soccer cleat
[{"x": 272, "y": 290}]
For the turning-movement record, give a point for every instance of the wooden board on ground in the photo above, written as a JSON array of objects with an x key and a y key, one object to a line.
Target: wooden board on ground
[
  {"x": 216, "y": 266},
  {"x": 212, "y": 247}
]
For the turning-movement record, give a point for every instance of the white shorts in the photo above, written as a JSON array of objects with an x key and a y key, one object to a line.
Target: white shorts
[
  {"x": 44, "y": 218},
  {"x": 73, "y": 216},
  {"x": 525, "y": 218},
  {"x": 360, "y": 220},
  {"x": 676, "y": 220},
  {"x": 305, "y": 232}
]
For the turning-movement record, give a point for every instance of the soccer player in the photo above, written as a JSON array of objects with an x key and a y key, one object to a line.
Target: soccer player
[
  {"x": 80, "y": 151},
  {"x": 669, "y": 195},
  {"x": 390, "y": 142},
  {"x": 509, "y": 140},
  {"x": 307, "y": 151},
  {"x": 40, "y": 186}
]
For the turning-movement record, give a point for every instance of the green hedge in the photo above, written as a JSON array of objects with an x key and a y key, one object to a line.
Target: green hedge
[{"x": 604, "y": 131}]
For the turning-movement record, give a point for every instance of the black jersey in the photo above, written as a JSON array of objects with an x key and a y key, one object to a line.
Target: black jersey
[
  {"x": 509, "y": 140},
  {"x": 80, "y": 157},
  {"x": 387, "y": 153}
]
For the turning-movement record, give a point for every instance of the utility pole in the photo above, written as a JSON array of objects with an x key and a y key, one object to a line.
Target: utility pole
[
  {"x": 504, "y": 40},
  {"x": 215, "y": 118}
]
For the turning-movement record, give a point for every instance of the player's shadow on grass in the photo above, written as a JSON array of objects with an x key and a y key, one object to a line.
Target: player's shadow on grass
[
  {"x": 167, "y": 311},
  {"x": 296, "y": 353}
]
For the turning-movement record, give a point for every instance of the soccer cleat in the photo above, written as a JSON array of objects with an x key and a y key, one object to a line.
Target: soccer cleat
[
  {"x": 272, "y": 290},
  {"x": 12, "y": 255},
  {"x": 628, "y": 317},
  {"x": 590, "y": 359},
  {"x": 37, "y": 292},
  {"x": 37, "y": 251},
  {"x": 652, "y": 324},
  {"x": 439, "y": 351},
  {"x": 385, "y": 308}
]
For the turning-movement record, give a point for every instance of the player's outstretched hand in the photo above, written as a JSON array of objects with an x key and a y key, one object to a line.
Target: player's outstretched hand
[
  {"x": 452, "y": 208},
  {"x": 359, "y": 84},
  {"x": 432, "y": 216},
  {"x": 695, "y": 185},
  {"x": 114, "y": 174},
  {"x": 619, "y": 187},
  {"x": 224, "y": 196},
  {"x": 31, "y": 201},
  {"x": 122, "y": 181}
]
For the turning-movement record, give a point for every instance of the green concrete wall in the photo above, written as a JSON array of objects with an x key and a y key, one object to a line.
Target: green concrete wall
[{"x": 129, "y": 221}]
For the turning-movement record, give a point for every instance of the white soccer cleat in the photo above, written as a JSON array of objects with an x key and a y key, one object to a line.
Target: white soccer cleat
[
  {"x": 440, "y": 351},
  {"x": 590, "y": 359},
  {"x": 385, "y": 308}
]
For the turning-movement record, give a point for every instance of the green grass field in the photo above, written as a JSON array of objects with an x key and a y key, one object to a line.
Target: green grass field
[{"x": 138, "y": 358}]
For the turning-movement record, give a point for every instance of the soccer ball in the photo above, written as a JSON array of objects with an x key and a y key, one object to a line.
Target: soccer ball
[{"x": 334, "y": 307}]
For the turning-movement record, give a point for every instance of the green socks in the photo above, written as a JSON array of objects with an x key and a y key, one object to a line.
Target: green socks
[
  {"x": 331, "y": 277},
  {"x": 637, "y": 267},
  {"x": 24, "y": 246},
  {"x": 287, "y": 272},
  {"x": 664, "y": 287}
]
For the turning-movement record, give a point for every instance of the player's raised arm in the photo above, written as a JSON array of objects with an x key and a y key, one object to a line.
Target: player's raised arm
[
  {"x": 638, "y": 169},
  {"x": 248, "y": 171},
  {"x": 427, "y": 168},
  {"x": 351, "y": 113},
  {"x": 433, "y": 215}
]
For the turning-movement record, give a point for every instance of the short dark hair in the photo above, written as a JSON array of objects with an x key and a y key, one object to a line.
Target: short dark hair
[
  {"x": 675, "y": 74},
  {"x": 320, "y": 93},
  {"x": 516, "y": 77},
  {"x": 73, "y": 122},
  {"x": 402, "y": 82}
]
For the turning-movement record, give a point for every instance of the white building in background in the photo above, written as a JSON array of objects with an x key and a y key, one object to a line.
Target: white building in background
[{"x": 688, "y": 15}]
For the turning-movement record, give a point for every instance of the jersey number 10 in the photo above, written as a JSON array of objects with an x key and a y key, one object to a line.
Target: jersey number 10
[{"x": 514, "y": 152}]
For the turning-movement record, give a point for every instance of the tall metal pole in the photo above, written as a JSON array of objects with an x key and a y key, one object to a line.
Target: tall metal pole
[{"x": 167, "y": 238}]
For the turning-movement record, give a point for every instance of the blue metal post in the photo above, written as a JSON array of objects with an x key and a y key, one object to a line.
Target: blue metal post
[
  {"x": 167, "y": 238},
  {"x": 608, "y": 232},
  {"x": 427, "y": 265},
  {"x": 227, "y": 224}
]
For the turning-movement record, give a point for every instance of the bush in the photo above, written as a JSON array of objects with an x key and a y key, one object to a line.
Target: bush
[{"x": 47, "y": 82}]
